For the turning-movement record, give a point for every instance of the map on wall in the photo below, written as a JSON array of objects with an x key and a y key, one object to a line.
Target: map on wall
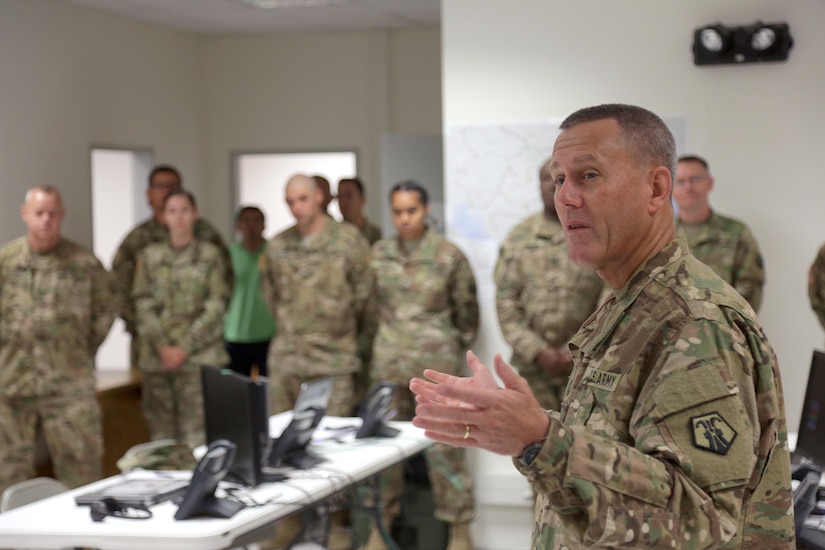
[
  {"x": 492, "y": 175},
  {"x": 491, "y": 184}
]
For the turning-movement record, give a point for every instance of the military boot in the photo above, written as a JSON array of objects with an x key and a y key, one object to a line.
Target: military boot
[{"x": 460, "y": 538}]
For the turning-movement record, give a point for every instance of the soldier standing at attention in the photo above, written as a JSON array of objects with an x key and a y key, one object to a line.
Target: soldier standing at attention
[
  {"x": 56, "y": 308},
  {"x": 725, "y": 244},
  {"x": 180, "y": 297},
  {"x": 351, "y": 201},
  {"x": 315, "y": 279},
  {"x": 162, "y": 180},
  {"x": 542, "y": 298},
  {"x": 248, "y": 326},
  {"x": 425, "y": 305},
  {"x": 672, "y": 429}
]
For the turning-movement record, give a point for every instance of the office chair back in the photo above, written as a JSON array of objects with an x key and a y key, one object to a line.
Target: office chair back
[
  {"x": 31, "y": 490},
  {"x": 804, "y": 498}
]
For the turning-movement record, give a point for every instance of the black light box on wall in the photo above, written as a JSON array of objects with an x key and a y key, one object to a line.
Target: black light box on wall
[{"x": 718, "y": 44}]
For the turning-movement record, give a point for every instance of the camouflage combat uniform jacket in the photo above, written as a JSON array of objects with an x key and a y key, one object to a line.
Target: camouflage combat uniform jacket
[
  {"x": 316, "y": 291},
  {"x": 55, "y": 311},
  {"x": 151, "y": 232},
  {"x": 542, "y": 298},
  {"x": 672, "y": 431},
  {"x": 180, "y": 299},
  {"x": 371, "y": 232},
  {"x": 816, "y": 286},
  {"x": 730, "y": 249},
  {"x": 425, "y": 305}
]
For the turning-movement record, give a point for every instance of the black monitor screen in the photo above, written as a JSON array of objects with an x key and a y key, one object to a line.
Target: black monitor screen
[
  {"x": 235, "y": 409},
  {"x": 810, "y": 442}
]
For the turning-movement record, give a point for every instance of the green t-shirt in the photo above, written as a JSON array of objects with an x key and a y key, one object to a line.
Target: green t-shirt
[{"x": 247, "y": 319}]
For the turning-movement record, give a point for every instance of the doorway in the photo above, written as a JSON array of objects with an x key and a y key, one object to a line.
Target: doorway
[
  {"x": 119, "y": 203},
  {"x": 260, "y": 180}
]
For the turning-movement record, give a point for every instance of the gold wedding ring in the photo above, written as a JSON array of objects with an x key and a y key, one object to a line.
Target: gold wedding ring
[{"x": 466, "y": 431}]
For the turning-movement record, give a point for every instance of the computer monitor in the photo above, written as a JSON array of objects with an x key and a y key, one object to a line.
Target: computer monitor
[
  {"x": 810, "y": 441},
  {"x": 290, "y": 449},
  {"x": 200, "y": 499},
  {"x": 235, "y": 409}
]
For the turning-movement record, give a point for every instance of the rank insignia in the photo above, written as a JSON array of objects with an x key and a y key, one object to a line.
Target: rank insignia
[{"x": 712, "y": 433}]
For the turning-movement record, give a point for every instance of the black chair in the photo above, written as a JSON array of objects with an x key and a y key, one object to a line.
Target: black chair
[{"x": 804, "y": 501}]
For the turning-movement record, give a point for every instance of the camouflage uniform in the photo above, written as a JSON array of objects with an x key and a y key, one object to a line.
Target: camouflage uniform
[
  {"x": 427, "y": 313},
  {"x": 816, "y": 286},
  {"x": 180, "y": 297},
  {"x": 316, "y": 290},
  {"x": 541, "y": 299},
  {"x": 371, "y": 232},
  {"x": 123, "y": 265},
  {"x": 672, "y": 430},
  {"x": 730, "y": 249},
  {"x": 56, "y": 308}
]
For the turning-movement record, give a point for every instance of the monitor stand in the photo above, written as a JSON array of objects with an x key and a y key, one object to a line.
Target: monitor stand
[{"x": 302, "y": 460}]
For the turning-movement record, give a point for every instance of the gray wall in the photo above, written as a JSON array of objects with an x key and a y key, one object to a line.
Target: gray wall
[
  {"x": 313, "y": 91},
  {"x": 74, "y": 78}
]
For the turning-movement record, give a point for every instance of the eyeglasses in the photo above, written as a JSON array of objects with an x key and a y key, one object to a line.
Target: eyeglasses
[{"x": 693, "y": 180}]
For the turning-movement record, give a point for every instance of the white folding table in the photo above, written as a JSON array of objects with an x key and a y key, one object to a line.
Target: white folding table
[{"x": 56, "y": 522}]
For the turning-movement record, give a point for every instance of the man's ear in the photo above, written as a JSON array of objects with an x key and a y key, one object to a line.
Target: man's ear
[{"x": 661, "y": 186}]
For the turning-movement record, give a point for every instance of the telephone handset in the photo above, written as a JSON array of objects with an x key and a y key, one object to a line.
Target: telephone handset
[
  {"x": 375, "y": 410},
  {"x": 200, "y": 497}
]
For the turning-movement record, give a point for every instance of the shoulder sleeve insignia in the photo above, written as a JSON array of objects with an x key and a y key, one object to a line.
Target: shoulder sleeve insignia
[{"x": 712, "y": 433}]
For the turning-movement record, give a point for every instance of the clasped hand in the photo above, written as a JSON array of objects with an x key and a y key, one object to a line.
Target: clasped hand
[
  {"x": 172, "y": 357},
  {"x": 475, "y": 412}
]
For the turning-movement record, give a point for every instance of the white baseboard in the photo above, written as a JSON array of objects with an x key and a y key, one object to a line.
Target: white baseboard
[{"x": 504, "y": 512}]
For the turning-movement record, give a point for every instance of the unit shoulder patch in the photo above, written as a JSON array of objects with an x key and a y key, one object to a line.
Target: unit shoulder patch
[{"x": 713, "y": 433}]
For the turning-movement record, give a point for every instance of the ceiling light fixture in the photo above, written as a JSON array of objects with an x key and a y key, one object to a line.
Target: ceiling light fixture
[
  {"x": 717, "y": 44},
  {"x": 272, "y": 4}
]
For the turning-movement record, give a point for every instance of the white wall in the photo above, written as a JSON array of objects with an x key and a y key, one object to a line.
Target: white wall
[
  {"x": 316, "y": 91},
  {"x": 760, "y": 126},
  {"x": 73, "y": 78}
]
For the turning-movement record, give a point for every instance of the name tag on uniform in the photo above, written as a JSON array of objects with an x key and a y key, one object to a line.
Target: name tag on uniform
[{"x": 601, "y": 379}]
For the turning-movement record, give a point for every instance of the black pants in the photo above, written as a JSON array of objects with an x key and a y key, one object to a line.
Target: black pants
[{"x": 243, "y": 356}]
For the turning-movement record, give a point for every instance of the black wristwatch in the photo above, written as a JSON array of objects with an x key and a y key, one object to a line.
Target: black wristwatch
[{"x": 530, "y": 452}]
